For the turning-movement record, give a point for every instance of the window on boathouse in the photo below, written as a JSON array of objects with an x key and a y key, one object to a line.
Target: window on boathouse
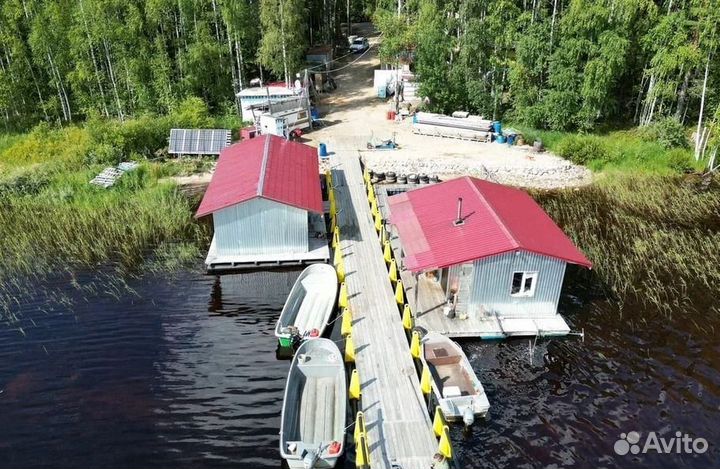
[{"x": 523, "y": 284}]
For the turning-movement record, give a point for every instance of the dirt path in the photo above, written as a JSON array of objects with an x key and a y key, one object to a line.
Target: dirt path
[
  {"x": 353, "y": 110},
  {"x": 354, "y": 113}
]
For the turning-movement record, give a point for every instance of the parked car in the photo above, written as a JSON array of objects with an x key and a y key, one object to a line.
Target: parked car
[{"x": 359, "y": 44}]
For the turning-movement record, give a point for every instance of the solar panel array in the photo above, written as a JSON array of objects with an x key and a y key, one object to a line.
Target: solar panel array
[{"x": 198, "y": 141}]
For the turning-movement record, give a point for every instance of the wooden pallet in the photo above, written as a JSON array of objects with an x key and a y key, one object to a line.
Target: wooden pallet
[{"x": 109, "y": 176}]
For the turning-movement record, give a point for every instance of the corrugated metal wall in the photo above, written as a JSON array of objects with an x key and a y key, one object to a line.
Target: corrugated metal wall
[
  {"x": 493, "y": 280},
  {"x": 260, "y": 226}
]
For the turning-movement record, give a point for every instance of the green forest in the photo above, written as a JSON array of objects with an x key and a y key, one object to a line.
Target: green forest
[
  {"x": 572, "y": 65},
  {"x": 67, "y": 60},
  {"x": 576, "y": 65}
]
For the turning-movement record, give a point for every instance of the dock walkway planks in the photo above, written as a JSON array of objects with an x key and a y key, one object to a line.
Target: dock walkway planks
[{"x": 398, "y": 426}]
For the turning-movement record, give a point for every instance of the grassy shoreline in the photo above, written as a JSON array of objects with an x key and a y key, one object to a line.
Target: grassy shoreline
[
  {"x": 53, "y": 221},
  {"x": 652, "y": 232},
  {"x": 649, "y": 151}
]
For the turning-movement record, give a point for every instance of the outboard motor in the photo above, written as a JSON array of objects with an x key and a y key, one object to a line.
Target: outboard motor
[
  {"x": 310, "y": 457},
  {"x": 468, "y": 416}
]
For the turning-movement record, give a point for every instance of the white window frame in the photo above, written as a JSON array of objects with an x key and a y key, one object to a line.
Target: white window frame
[{"x": 525, "y": 276}]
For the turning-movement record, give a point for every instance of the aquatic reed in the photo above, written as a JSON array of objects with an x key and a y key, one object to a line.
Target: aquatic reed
[
  {"x": 654, "y": 240},
  {"x": 52, "y": 221}
]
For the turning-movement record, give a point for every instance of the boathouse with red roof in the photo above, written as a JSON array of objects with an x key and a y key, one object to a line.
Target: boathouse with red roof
[
  {"x": 266, "y": 202},
  {"x": 492, "y": 249}
]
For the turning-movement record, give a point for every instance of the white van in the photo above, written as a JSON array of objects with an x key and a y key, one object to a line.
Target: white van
[{"x": 359, "y": 44}]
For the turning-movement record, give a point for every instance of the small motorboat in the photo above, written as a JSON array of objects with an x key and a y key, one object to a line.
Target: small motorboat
[
  {"x": 455, "y": 385},
  {"x": 308, "y": 308},
  {"x": 312, "y": 428}
]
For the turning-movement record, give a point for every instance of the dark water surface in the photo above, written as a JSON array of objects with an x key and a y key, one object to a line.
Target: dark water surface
[{"x": 184, "y": 373}]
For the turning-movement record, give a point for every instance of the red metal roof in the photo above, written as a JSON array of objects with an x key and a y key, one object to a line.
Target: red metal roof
[
  {"x": 269, "y": 167},
  {"x": 497, "y": 219}
]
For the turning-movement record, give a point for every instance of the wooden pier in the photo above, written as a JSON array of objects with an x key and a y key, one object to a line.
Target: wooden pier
[{"x": 399, "y": 429}]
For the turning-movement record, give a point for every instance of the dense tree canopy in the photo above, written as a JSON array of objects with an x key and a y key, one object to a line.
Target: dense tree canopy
[
  {"x": 566, "y": 64},
  {"x": 64, "y": 60}
]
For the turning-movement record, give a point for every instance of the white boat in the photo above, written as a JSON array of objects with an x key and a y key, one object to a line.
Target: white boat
[
  {"x": 458, "y": 390},
  {"x": 308, "y": 308},
  {"x": 312, "y": 428}
]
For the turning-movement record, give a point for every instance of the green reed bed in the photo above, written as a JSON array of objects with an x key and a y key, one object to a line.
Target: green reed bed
[
  {"x": 52, "y": 221},
  {"x": 70, "y": 224},
  {"x": 654, "y": 240}
]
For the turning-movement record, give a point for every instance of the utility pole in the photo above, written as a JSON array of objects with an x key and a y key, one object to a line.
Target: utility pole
[{"x": 397, "y": 68}]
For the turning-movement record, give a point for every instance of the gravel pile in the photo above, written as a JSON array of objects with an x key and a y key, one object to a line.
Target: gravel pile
[{"x": 541, "y": 171}]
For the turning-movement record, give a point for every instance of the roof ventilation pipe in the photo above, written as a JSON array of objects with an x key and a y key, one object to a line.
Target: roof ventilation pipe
[{"x": 459, "y": 220}]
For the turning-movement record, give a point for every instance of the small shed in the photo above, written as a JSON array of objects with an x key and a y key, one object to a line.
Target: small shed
[
  {"x": 266, "y": 202},
  {"x": 322, "y": 54},
  {"x": 490, "y": 249}
]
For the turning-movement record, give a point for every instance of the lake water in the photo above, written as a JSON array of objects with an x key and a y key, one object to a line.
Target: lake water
[{"x": 183, "y": 373}]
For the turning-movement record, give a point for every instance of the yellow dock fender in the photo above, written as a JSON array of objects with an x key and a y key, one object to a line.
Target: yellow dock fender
[
  {"x": 354, "y": 389},
  {"x": 438, "y": 421},
  {"x": 445, "y": 447},
  {"x": 425, "y": 380},
  {"x": 343, "y": 298},
  {"x": 393, "y": 273},
  {"x": 407, "y": 319},
  {"x": 387, "y": 252},
  {"x": 400, "y": 293},
  {"x": 415, "y": 348},
  {"x": 346, "y": 325}
]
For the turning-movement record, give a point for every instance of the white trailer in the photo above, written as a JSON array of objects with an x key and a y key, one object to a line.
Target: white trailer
[{"x": 287, "y": 123}]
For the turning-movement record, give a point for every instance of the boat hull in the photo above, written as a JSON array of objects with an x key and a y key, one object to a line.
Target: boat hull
[
  {"x": 312, "y": 428},
  {"x": 309, "y": 305},
  {"x": 455, "y": 386}
]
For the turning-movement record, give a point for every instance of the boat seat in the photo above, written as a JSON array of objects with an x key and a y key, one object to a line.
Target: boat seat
[
  {"x": 440, "y": 356},
  {"x": 451, "y": 391}
]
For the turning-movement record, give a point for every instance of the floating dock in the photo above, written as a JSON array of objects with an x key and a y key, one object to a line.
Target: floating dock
[
  {"x": 318, "y": 253},
  {"x": 399, "y": 429},
  {"x": 427, "y": 302}
]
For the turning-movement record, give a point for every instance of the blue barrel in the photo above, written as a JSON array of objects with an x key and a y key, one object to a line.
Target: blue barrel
[
  {"x": 497, "y": 127},
  {"x": 500, "y": 138},
  {"x": 322, "y": 150}
]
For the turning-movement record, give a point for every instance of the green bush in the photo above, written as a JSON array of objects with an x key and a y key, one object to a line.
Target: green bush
[
  {"x": 582, "y": 149},
  {"x": 667, "y": 131},
  {"x": 192, "y": 113},
  {"x": 27, "y": 181}
]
